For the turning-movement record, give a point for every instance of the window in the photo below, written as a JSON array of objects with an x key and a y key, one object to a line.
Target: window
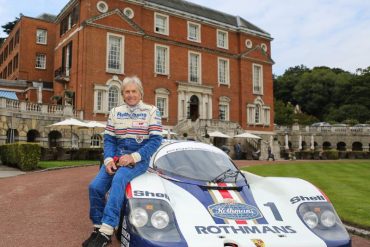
[
  {"x": 223, "y": 71},
  {"x": 69, "y": 20},
  {"x": 67, "y": 59},
  {"x": 115, "y": 53},
  {"x": 161, "y": 59},
  {"x": 99, "y": 100},
  {"x": 257, "y": 79},
  {"x": 129, "y": 12},
  {"x": 161, "y": 105},
  {"x": 257, "y": 116},
  {"x": 161, "y": 24},
  {"x": 75, "y": 141},
  {"x": 224, "y": 112},
  {"x": 102, "y": 6},
  {"x": 112, "y": 97},
  {"x": 15, "y": 62},
  {"x": 41, "y": 36},
  {"x": 161, "y": 101},
  {"x": 258, "y": 113},
  {"x": 194, "y": 67},
  {"x": 95, "y": 141},
  {"x": 193, "y": 32},
  {"x": 40, "y": 61},
  {"x": 222, "y": 39},
  {"x": 224, "y": 108}
]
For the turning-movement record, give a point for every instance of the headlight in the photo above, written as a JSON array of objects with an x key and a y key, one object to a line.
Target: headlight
[
  {"x": 153, "y": 220},
  {"x": 160, "y": 219},
  {"x": 328, "y": 218},
  {"x": 321, "y": 218},
  {"x": 138, "y": 217},
  {"x": 311, "y": 219}
]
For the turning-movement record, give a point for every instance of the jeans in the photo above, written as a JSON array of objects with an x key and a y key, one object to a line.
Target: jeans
[{"x": 108, "y": 211}]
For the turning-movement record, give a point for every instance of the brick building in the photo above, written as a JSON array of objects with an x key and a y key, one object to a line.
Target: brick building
[
  {"x": 27, "y": 56},
  {"x": 201, "y": 67}
]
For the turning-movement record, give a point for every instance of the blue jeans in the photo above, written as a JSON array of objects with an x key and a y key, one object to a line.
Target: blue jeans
[{"x": 108, "y": 211}]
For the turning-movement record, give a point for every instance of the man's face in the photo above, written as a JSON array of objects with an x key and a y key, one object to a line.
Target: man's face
[{"x": 131, "y": 94}]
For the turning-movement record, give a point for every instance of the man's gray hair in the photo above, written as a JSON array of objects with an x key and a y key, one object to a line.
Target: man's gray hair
[{"x": 134, "y": 80}]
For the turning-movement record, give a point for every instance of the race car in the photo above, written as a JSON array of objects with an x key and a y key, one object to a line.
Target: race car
[{"x": 194, "y": 195}]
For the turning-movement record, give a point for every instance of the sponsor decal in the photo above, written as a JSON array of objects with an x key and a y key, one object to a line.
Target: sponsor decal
[
  {"x": 258, "y": 242},
  {"x": 243, "y": 229},
  {"x": 234, "y": 211},
  {"x": 296, "y": 199},
  {"x": 139, "y": 139},
  {"x": 126, "y": 115},
  {"x": 141, "y": 193},
  {"x": 140, "y": 124}
]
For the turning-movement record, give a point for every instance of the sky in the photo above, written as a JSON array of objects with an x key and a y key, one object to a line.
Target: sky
[{"x": 332, "y": 33}]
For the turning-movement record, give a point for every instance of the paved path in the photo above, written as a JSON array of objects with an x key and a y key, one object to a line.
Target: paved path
[{"x": 51, "y": 209}]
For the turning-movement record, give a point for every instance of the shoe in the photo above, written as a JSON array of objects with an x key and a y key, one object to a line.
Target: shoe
[
  {"x": 100, "y": 240},
  {"x": 92, "y": 237}
]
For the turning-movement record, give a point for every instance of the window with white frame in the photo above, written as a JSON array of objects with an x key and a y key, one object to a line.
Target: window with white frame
[
  {"x": 95, "y": 141},
  {"x": 224, "y": 108},
  {"x": 257, "y": 79},
  {"x": 223, "y": 71},
  {"x": 115, "y": 53},
  {"x": 258, "y": 113},
  {"x": 40, "y": 61},
  {"x": 162, "y": 59},
  {"x": 161, "y": 24},
  {"x": 99, "y": 100},
  {"x": 224, "y": 112},
  {"x": 112, "y": 97},
  {"x": 222, "y": 39},
  {"x": 41, "y": 36},
  {"x": 161, "y": 105},
  {"x": 194, "y": 67},
  {"x": 161, "y": 101},
  {"x": 193, "y": 31}
]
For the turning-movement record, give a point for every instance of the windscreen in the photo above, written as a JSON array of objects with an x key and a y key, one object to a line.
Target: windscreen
[{"x": 201, "y": 165}]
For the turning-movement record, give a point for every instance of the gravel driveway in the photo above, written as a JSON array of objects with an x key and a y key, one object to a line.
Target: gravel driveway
[{"x": 51, "y": 209}]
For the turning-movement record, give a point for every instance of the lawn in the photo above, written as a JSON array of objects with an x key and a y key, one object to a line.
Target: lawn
[
  {"x": 65, "y": 163},
  {"x": 345, "y": 182}
]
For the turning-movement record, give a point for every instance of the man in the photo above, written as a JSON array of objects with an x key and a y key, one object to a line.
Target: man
[
  {"x": 238, "y": 151},
  {"x": 270, "y": 154},
  {"x": 132, "y": 135}
]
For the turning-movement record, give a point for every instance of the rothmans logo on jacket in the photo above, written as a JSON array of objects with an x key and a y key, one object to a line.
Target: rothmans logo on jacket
[
  {"x": 126, "y": 115},
  {"x": 234, "y": 211}
]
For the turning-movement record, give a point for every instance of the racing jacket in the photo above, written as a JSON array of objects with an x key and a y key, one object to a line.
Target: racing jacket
[{"x": 135, "y": 130}]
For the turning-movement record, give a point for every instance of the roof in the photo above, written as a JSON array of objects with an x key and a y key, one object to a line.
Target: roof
[
  {"x": 8, "y": 95},
  {"x": 208, "y": 13}
]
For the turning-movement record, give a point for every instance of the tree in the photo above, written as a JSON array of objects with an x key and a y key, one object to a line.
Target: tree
[
  {"x": 284, "y": 85},
  {"x": 8, "y": 27}
]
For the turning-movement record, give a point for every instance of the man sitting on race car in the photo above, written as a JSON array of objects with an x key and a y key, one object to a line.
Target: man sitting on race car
[{"x": 132, "y": 135}]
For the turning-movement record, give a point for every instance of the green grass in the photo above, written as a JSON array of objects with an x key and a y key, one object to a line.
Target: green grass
[
  {"x": 64, "y": 163},
  {"x": 345, "y": 182}
]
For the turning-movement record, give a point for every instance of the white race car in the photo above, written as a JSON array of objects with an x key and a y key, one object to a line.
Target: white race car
[{"x": 194, "y": 195}]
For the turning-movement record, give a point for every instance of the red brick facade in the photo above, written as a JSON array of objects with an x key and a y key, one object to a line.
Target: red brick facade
[{"x": 85, "y": 40}]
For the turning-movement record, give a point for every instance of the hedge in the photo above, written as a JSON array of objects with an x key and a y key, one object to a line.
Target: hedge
[{"x": 24, "y": 156}]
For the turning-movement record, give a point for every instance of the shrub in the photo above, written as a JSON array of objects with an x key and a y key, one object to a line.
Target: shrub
[
  {"x": 25, "y": 156},
  {"x": 331, "y": 154}
]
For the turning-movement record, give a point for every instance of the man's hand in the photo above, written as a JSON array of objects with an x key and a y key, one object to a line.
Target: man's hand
[
  {"x": 126, "y": 160},
  {"x": 111, "y": 168}
]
